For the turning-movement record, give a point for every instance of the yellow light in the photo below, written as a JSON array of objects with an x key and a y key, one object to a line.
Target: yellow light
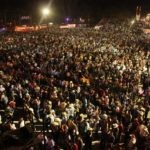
[{"x": 45, "y": 11}]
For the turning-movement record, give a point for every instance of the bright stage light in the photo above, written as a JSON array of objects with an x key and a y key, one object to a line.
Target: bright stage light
[{"x": 45, "y": 11}]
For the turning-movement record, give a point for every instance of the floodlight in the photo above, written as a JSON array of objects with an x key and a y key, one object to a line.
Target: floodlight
[{"x": 45, "y": 11}]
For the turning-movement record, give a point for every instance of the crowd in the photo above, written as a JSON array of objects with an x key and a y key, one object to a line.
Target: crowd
[{"x": 83, "y": 84}]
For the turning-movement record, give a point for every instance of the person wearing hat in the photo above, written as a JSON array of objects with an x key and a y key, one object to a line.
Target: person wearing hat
[
  {"x": 79, "y": 142},
  {"x": 70, "y": 110},
  {"x": 64, "y": 117},
  {"x": 58, "y": 120},
  {"x": 115, "y": 130},
  {"x": 88, "y": 139},
  {"x": 36, "y": 103},
  {"x": 82, "y": 125},
  {"x": 55, "y": 124},
  {"x": 62, "y": 106},
  {"x": 132, "y": 142}
]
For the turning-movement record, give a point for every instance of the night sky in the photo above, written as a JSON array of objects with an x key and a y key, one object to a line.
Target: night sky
[
  {"x": 30, "y": 4},
  {"x": 24, "y": 3},
  {"x": 75, "y": 8}
]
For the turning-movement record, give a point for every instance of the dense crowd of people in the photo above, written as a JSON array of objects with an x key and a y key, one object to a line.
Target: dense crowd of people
[{"x": 83, "y": 84}]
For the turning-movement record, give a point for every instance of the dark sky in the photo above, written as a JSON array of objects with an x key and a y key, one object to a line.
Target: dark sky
[
  {"x": 93, "y": 3},
  {"x": 28, "y": 2},
  {"x": 76, "y": 7}
]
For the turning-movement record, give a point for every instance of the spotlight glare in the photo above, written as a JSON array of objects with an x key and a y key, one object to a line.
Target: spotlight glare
[{"x": 45, "y": 11}]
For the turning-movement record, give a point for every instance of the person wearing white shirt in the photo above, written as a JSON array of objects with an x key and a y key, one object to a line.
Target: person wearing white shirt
[{"x": 21, "y": 123}]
